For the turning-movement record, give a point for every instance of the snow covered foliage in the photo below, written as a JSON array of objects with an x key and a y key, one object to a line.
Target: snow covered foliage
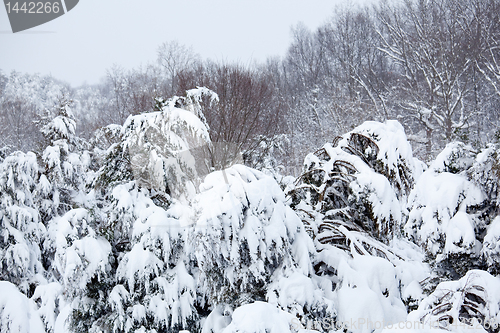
[
  {"x": 491, "y": 246},
  {"x": 260, "y": 234},
  {"x": 168, "y": 254},
  {"x": 485, "y": 173},
  {"x": 253, "y": 247},
  {"x": 62, "y": 127},
  {"x": 22, "y": 232},
  {"x": 357, "y": 183},
  {"x": 148, "y": 229},
  {"x": 105, "y": 136},
  {"x": 244, "y": 238},
  {"x": 143, "y": 190},
  {"x": 17, "y": 312},
  {"x": 154, "y": 286},
  {"x": 351, "y": 198},
  {"x": 79, "y": 253},
  {"x": 473, "y": 302},
  {"x": 154, "y": 150},
  {"x": 452, "y": 208}
]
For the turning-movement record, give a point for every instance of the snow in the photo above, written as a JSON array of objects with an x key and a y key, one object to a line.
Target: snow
[
  {"x": 460, "y": 231},
  {"x": 477, "y": 290},
  {"x": 491, "y": 243},
  {"x": 374, "y": 280},
  {"x": 261, "y": 317},
  {"x": 434, "y": 202},
  {"x": 61, "y": 324},
  {"x": 19, "y": 170},
  {"x": 49, "y": 296},
  {"x": 381, "y": 195},
  {"x": 232, "y": 244},
  {"x": 118, "y": 296},
  {"x": 455, "y": 157},
  {"x": 79, "y": 253},
  {"x": 443, "y": 310},
  {"x": 413, "y": 291},
  {"x": 218, "y": 319},
  {"x": 138, "y": 262},
  {"x": 44, "y": 187},
  {"x": 392, "y": 143},
  {"x": 17, "y": 312}
]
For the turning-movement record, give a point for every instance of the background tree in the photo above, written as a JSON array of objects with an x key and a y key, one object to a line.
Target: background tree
[
  {"x": 249, "y": 109},
  {"x": 435, "y": 54},
  {"x": 173, "y": 58}
]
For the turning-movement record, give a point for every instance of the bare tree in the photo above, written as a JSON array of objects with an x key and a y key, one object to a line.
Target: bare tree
[
  {"x": 175, "y": 57},
  {"x": 17, "y": 129},
  {"x": 131, "y": 92},
  {"x": 249, "y": 110},
  {"x": 23, "y": 98},
  {"x": 486, "y": 26},
  {"x": 427, "y": 41},
  {"x": 359, "y": 71}
]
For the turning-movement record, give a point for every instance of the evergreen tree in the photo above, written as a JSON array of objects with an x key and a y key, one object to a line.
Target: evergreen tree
[{"x": 22, "y": 231}]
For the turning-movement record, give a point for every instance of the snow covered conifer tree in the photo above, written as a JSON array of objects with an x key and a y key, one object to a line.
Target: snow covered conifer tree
[
  {"x": 65, "y": 161},
  {"x": 250, "y": 246},
  {"x": 351, "y": 199},
  {"x": 485, "y": 172},
  {"x": 358, "y": 182},
  {"x": 453, "y": 207},
  {"x": 154, "y": 145},
  {"x": 246, "y": 235},
  {"x": 21, "y": 230},
  {"x": 62, "y": 126},
  {"x": 151, "y": 151},
  {"x": 147, "y": 181}
]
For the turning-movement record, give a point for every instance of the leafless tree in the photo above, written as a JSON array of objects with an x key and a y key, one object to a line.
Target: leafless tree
[
  {"x": 131, "y": 92},
  {"x": 486, "y": 28},
  {"x": 434, "y": 54},
  {"x": 175, "y": 57},
  {"x": 249, "y": 108},
  {"x": 17, "y": 129}
]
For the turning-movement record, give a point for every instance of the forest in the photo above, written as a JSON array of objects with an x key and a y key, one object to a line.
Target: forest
[{"x": 351, "y": 185}]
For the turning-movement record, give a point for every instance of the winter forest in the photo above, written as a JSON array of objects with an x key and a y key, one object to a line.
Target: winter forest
[{"x": 351, "y": 185}]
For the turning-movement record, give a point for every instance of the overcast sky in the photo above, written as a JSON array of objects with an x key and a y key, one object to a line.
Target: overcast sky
[{"x": 79, "y": 46}]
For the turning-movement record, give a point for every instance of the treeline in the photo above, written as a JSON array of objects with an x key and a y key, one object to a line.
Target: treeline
[{"x": 434, "y": 65}]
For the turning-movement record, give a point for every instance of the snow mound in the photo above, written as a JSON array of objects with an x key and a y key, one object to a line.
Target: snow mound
[
  {"x": 260, "y": 317},
  {"x": 375, "y": 281},
  {"x": 17, "y": 312}
]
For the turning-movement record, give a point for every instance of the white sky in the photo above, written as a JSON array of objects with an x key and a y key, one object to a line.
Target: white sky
[{"x": 78, "y": 47}]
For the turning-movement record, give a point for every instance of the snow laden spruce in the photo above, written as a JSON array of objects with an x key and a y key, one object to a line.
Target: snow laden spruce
[{"x": 152, "y": 227}]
